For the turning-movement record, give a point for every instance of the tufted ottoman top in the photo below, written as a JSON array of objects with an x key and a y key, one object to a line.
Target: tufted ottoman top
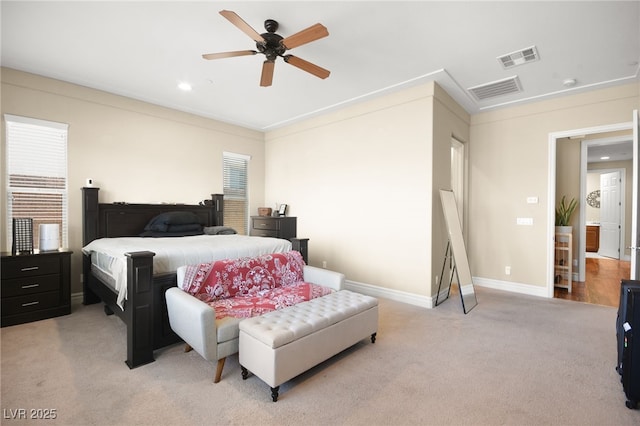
[{"x": 280, "y": 327}]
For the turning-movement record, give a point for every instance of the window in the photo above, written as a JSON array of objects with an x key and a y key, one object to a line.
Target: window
[
  {"x": 36, "y": 153},
  {"x": 236, "y": 202}
]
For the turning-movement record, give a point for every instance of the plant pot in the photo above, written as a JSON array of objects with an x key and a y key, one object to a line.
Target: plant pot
[{"x": 564, "y": 230}]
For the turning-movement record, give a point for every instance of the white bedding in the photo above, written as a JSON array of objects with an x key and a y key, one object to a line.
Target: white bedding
[{"x": 108, "y": 254}]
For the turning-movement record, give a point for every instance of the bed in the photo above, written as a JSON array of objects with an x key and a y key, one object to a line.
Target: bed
[{"x": 140, "y": 270}]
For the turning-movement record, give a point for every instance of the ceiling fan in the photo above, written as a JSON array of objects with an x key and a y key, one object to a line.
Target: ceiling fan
[{"x": 273, "y": 45}]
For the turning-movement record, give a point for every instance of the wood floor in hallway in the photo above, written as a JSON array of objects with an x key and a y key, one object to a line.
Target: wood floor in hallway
[{"x": 602, "y": 282}]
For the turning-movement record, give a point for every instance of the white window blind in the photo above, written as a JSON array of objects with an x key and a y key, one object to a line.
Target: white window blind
[
  {"x": 36, "y": 167},
  {"x": 236, "y": 202}
]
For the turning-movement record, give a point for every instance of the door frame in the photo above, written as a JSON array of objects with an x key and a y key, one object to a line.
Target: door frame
[
  {"x": 551, "y": 189},
  {"x": 584, "y": 146}
]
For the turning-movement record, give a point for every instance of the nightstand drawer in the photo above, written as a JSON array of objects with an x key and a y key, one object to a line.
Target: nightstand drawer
[
  {"x": 269, "y": 224},
  {"x": 30, "y": 303},
  {"x": 30, "y": 285},
  {"x": 18, "y": 267}
]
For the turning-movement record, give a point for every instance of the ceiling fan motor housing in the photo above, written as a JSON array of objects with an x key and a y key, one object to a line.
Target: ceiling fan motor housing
[{"x": 272, "y": 48}]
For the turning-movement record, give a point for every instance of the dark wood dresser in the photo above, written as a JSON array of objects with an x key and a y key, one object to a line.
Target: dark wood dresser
[
  {"x": 271, "y": 226},
  {"x": 35, "y": 286}
]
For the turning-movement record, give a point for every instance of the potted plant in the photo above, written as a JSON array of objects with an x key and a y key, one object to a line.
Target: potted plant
[{"x": 563, "y": 214}]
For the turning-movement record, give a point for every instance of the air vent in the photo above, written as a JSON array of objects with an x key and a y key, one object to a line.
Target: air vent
[
  {"x": 510, "y": 60},
  {"x": 497, "y": 88}
]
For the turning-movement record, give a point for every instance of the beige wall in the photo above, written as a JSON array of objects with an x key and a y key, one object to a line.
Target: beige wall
[
  {"x": 363, "y": 181},
  {"x": 367, "y": 180},
  {"x": 510, "y": 162},
  {"x": 134, "y": 151}
]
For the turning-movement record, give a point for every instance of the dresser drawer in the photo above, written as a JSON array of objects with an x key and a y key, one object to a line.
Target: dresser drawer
[
  {"x": 30, "y": 285},
  {"x": 18, "y": 267},
  {"x": 268, "y": 224},
  {"x": 264, "y": 233},
  {"x": 29, "y": 303}
]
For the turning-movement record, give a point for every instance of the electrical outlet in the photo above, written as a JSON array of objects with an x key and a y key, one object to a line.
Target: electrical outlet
[
  {"x": 507, "y": 270},
  {"x": 324, "y": 264}
]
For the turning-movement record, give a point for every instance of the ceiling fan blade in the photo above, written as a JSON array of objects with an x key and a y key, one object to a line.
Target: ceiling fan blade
[
  {"x": 243, "y": 26},
  {"x": 305, "y": 36},
  {"x": 267, "y": 73},
  {"x": 307, "y": 66},
  {"x": 229, "y": 54}
]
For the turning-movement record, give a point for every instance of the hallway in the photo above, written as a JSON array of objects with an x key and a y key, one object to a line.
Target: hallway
[{"x": 602, "y": 285}]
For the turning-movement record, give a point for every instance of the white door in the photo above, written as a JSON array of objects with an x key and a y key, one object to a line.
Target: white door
[
  {"x": 635, "y": 238},
  {"x": 610, "y": 215}
]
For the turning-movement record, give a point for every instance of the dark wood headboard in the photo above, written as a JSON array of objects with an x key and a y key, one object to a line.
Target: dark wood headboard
[{"x": 128, "y": 220}]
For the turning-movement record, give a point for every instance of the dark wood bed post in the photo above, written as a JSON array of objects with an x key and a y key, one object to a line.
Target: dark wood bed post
[
  {"x": 139, "y": 309},
  {"x": 89, "y": 233},
  {"x": 218, "y": 203}
]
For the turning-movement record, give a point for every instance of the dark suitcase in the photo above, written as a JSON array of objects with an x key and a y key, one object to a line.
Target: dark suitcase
[
  {"x": 622, "y": 315},
  {"x": 630, "y": 368}
]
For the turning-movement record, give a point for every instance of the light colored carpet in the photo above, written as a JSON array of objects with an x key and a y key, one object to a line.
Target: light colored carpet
[{"x": 513, "y": 360}]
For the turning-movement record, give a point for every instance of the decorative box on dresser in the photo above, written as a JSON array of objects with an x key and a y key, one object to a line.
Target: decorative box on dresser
[
  {"x": 35, "y": 286},
  {"x": 280, "y": 227}
]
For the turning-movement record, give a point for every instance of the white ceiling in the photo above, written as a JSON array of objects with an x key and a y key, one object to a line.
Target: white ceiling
[
  {"x": 144, "y": 49},
  {"x": 614, "y": 149}
]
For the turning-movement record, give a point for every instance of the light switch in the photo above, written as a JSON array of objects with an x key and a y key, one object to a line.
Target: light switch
[
  {"x": 532, "y": 200},
  {"x": 524, "y": 221}
]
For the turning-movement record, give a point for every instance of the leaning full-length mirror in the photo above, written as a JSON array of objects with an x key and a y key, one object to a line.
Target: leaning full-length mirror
[{"x": 456, "y": 242}]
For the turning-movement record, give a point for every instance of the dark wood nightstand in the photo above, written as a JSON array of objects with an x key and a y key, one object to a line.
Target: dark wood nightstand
[{"x": 35, "y": 286}]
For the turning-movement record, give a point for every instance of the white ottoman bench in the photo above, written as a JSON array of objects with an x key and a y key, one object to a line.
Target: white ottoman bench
[{"x": 282, "y": 344}]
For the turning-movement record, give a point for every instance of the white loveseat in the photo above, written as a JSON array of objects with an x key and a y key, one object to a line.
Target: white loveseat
[{"x": 214, "y": 339}]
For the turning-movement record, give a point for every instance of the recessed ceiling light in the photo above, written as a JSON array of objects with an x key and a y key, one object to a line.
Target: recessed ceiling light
[{"x": 184, "y": 86}]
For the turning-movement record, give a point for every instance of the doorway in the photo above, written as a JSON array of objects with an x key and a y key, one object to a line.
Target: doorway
[{"x": 581, "y": 234}]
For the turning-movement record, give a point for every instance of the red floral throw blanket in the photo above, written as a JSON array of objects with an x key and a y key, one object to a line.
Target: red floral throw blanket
[{"x": 247, "y": 287}]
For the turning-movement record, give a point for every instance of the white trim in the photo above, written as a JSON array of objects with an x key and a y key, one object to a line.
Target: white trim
[
  {"x": 236, "y": 155},
  {"x": 521, "y": 288},
  {"x": 429, "y": 302},
  {"x": 35, "y": 121},
  {"x": 397, "y": 295},
  {"x": 77, "y": 298},
  {"x": 551, "y": 189}
]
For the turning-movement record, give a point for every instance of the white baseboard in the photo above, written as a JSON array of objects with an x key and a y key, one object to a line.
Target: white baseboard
[
  {"x": 397, "y": 295},
  {"x": 428, "y": 302},
  {"x": 77, "y": 297},
  {"x": 512, "y": 287}
]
